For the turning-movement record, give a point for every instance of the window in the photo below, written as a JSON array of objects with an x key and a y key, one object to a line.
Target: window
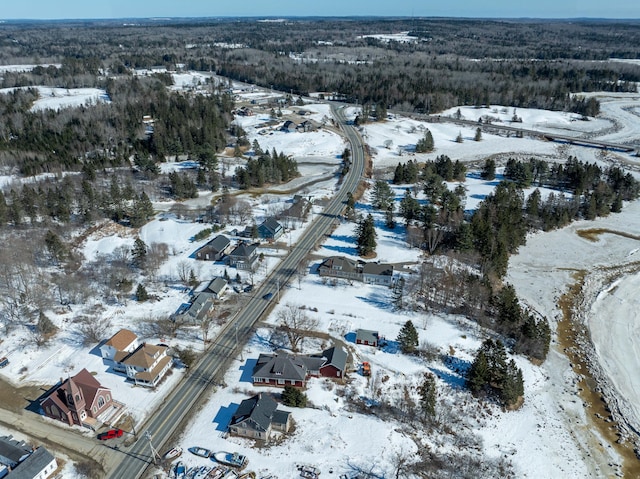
[
  {"x": 94, "y": 409},
  {"x": 281, "y": 381},
  {"x": 100, "y": 401}
]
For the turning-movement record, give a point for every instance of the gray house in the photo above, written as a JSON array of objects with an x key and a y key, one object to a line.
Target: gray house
[
  {"x": 370, "y": 273},
  {"x": 257, "y": 417},
  {"x": 215, "y": 249},
  {"x": 244, "y": 256},
  {"x": 367, "y": 337},
  {"x": 216, "y": 287},
  {"x": 18, "y": 460},
  {"x": 197, "y": 310}
]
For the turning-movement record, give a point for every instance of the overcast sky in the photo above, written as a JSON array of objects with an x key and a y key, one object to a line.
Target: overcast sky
[{"x": 67, "y": 9}]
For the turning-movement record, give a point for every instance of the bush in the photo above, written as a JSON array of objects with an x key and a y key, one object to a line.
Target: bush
[{"x": 293, "y": 397}]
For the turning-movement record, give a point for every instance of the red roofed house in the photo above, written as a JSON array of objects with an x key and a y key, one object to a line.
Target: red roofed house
[{"x": 78, "y": 400}]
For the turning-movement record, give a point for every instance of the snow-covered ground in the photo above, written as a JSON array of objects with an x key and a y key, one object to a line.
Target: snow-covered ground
[
  {"x": 543, "y": 439},
  {"x": 53, "y": 98}
]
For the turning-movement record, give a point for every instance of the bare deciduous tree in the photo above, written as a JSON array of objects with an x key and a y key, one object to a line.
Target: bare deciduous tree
[
  {"x": 91, "y": 330},
  {"x": 294, "y": 322}
]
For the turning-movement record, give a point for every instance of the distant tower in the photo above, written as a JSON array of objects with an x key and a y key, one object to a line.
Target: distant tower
[{"x": 75, "y": 402}]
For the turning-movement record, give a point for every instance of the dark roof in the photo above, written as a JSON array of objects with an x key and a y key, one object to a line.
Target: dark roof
[
  {"x": 280, "y": 417},
  {"x": 244, "y": 250},
  {"x": 32, "y": 465},
  {"x": 219, "y": 243},
  {"x": 366, "y": 335},
  {"x": 336, "y": 357},
  {"x": 216, "y": 285},
  {"x": 271, "y": 225},
  {"x": 280, "y": 366},
  {"x": 380, "y": 269},
  {"x": 340, "y": 263},
  {"x": 259, "y": 409},
  {"x": 12, "y": 451}
]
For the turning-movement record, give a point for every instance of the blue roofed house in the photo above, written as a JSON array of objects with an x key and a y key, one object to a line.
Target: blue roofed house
[{"x": 270, "y": 229}]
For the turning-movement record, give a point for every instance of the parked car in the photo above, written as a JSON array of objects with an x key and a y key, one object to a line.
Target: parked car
[
  {"x": 4, "y": 362},
  {"x": 268, "y": 296},
  {"x": 110, "y": 434},
  {"x": 248, "y": 289}
]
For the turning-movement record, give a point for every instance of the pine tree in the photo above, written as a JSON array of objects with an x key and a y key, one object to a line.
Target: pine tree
[
  {"x": 54, "y": 246},
  {"x": 390, "y": 221},
  {"x": 382, "y": 195},
  {"x": 141, "y": 293},
  {"x": 193, "y": 281},
  {"x": 428, "y": 393},
  {"x": 489, "y": 170},
  {"x": 478, "y": 377},
  {"x": 425, "y": 144},
  {"x": 408, "y": 338},
  {"x": 366, "y": 240},
  {"x": 478, "y": 135},
  {"x": 293, "y": 397},
  {"x": 459, "y": 138},
  {"x": 139, "y": 253}
]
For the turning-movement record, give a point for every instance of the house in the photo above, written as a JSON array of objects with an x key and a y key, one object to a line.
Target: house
[
  {"x": 367, "y": 337},
  {"x": 244, "y": 256},
  {"x": 340, "y": 267},
  {"x": 270, "y": 229},
  {"x": 288, "y": 126},
  {"x": 298, "y": 211},
  {"x": 257, "y": 417},
  {"x": 145, "y": 366},
  {"x": 370, "y": 273},
  {"x": 377, "y": 273},
  {"x": 216, "y": 287},
  {"x": 335, "y": 363},
  {"x": 123, "y": 340},
  {"x": 18, "y": 460},
  {"x": 215, "y": 249},
  {"x": 283, "y": 369},
  {"x": 79, "y": 400},
  {"x": 306, "y": 126},
  {"x": 197, "y": 310}
]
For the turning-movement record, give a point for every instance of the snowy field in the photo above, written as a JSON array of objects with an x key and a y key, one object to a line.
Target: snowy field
[
  {"x": 547, "y": 438},
  {"x": 52, "y": 98}
]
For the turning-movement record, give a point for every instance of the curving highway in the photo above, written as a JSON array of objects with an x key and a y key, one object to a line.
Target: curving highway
[{"x": 165, "y": 421}]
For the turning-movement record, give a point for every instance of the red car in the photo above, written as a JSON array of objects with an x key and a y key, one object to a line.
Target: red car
[{"x": 110, "y": 434}]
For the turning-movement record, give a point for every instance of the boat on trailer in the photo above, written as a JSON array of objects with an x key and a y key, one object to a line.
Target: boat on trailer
[
  {"x": 200, "y": 451},
  {"x": 172, "y": 453},
  {"x": 232, "y": 459}
]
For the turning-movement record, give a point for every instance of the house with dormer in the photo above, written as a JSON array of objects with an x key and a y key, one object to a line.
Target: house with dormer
[
  {"x": 283, "y": 369},
  {"x": 257, "y": 417},
  {"x": 146, "y": 365},
  {"x": 215, "y": 249},
  {"x": 19, "y": 460},
  {"x": 244, "y": 257},
  {"x": 79, "y": 400},
  {"x": 357, "y": 270}
]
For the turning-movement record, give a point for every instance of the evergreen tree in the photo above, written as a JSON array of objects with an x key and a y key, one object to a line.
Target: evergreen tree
[
  {"x": 425, "y": 144},
  {"x": 428, "y": 393},
  {"x": 141, "y": 293},
  {"x": 489, "y": 170},
  {"x": 366, "y": 236},
  {"x": 4, "y": 210},
  {"x": 139, "y": 253},
  {"x": 142, "y": 210},
  {"x": 193, "y": 281},
  {"x": 478, "y": 376},
  {"x": 409, "y": 207},
  {"x": 478, "y": 135},
  {"x": 293, "y": 397},
  {"x": 509, "y": 310},
  {"x": 390, "y": 221},
  {"x": 459, "y": 138},
  {"x": 382, "y": 195},
  {"x": 408, "y": 338},
  {"x": 55, "y": 246}
]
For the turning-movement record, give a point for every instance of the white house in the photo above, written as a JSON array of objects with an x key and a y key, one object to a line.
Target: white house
[{"x": 124, "y": 340}]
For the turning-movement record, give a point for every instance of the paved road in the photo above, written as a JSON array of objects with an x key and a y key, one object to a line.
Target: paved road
[{"x": 216, "y": 360}]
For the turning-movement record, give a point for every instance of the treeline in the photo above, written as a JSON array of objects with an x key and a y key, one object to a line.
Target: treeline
[
  {"x": 267, "y": 168},
  {"x": 106, "y": 135},
  {"x": 75, "y": 201}
]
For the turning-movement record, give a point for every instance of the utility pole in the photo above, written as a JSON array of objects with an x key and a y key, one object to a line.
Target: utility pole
[
  {"x": 278, "y": 289},
  {"x": 154, "y": 454}
]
